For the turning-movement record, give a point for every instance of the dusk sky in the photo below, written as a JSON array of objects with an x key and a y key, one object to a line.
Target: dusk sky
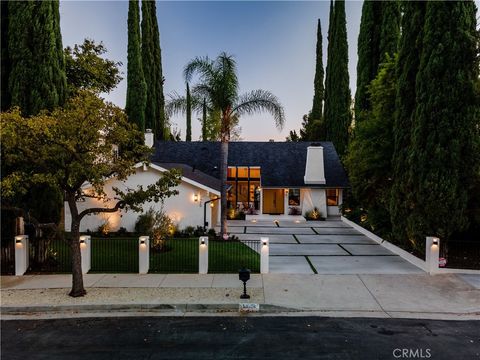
[{"x": 273, "y": 43}]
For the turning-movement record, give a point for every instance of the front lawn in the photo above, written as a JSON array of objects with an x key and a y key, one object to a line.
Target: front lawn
[{"x": 120, "y": 255}]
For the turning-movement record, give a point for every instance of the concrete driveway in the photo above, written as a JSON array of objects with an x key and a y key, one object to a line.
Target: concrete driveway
[{"x": 322, "y": 247}]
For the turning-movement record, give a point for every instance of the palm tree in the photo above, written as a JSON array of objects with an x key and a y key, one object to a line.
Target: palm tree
[{"x": 218, "y": 85}]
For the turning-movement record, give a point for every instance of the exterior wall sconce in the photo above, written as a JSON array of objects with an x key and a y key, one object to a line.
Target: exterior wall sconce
[
  {"x": 212, "y": 204},
  {"x": 196, "y": 197}
]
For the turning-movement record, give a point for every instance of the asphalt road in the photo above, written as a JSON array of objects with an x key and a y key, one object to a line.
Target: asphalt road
[{"x": 239, "y": 338}]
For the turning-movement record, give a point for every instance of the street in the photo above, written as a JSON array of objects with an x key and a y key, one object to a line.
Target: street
[{"x": 239, "y": 338}]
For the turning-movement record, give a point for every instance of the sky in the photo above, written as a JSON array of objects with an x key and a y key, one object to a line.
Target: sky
[{"x": 273, "y": 43}]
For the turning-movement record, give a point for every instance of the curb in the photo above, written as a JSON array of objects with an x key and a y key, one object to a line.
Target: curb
[{"x": 154, "y": 308}]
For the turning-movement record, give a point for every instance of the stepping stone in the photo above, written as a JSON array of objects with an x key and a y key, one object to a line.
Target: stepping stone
[
  {"x": 363, "y": 265},
  {"x": 336, "y": 231},
  {"x": 263, "y": 230},
  {"x": 305, "y": 249},
  {"x": 334, "y": 239},
  {"x": 289, "y": 265},
  {"x": 282, "y": 239},
  {"x": 367, "y": 249}
]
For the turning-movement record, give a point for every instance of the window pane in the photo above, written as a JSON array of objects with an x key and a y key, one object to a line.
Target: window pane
[
  {"x": 255, "y": 194},
  {"x": 242, "y": 192},
  {"x": 242, "y": 172},
  {"x": 232, "y": 172},
  {"x": 332, "y": 197},
  {"x": 254, "y": 173},
  {"x": 294, "y": 197}
]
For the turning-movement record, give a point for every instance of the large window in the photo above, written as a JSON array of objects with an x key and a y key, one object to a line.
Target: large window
[
  {"x": 332, "y": 197},
  {"x": 244, "y": 183}
]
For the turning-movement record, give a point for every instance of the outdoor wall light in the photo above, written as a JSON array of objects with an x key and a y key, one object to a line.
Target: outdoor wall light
[
  {"x": 195, "y": 197},
  {"x": 212, "y": 204},
  {"x": 143, "y": 241}
]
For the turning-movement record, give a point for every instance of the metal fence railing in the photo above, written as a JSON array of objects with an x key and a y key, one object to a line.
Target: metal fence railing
[
  {"x": 50, "y": 256},
  {"x": 231, "y": 255},
  {"x": 461, "y": 254},
  {"x": 114, "y": 255},
  {"x": 174, "y": 256},
  {"x": 7, "y": 259}
]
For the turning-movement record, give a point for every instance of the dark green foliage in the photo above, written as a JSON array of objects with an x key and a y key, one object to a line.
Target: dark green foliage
[
  {"x": 337, "y": 114},
  {"x": 204, "y": 120},
  {"x": 378, "y": 37},
  {"x": 136, "y": 85},
  {"x": 152, "y": 69},
  {"x": 188, "y": 136},
  {"x": 293, "y": 136},
  {"x": 5, "y": 59},
  {"x": 87, "y": 70},
  {"x": 369, "y": 154},
  {"x": 443, "y": 160},
  {"x": 36, "y": 78},
  {"x": 410, "y": 50},
  {"x": 315, "y": 131}
]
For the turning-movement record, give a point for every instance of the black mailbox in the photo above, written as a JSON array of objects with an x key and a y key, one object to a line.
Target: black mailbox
[{"x": 244, "y": 275}]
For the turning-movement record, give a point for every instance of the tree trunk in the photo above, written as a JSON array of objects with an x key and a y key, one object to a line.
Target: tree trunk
[
  {"x": 223, "y": 177},
  {"x": 77, "y": 277}
]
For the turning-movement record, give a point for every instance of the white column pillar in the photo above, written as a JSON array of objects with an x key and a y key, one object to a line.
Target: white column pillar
[
  {"x": 260, "y": 211},
  {"x": 143, "y": 254},
  {"x": 21, "y": 254},
  {"x": 285, "y": 202},
  {"x": 264, "y": 253},
  {"x": 432, "y": 254},
  {"x": 203, "y": 255},
  {"x": 86, "y": 253}
]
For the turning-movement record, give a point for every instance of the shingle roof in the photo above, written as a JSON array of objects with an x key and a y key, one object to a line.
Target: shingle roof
[
  {"x": 194, "y": 174},
  {"x": 282, "y": 163}
]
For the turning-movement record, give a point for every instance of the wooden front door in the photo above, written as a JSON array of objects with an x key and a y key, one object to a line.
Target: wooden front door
[{"x": 273, "y": 201}]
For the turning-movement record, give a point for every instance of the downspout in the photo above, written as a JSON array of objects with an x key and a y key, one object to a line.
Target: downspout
[{"x": 205, "y": 224}]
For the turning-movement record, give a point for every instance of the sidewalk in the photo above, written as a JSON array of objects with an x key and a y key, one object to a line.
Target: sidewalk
[{"x": 400, "y": 296}]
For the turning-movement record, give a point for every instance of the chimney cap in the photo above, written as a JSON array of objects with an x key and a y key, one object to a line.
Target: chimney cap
[{"x": 148, "y": 131}]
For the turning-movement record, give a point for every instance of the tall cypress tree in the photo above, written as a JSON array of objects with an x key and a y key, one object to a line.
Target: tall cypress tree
[
  {"x": 319, "y": 90},
  {"x": 378, "y": 37},
  {"x": 36, "y": 78},
  {"x": 5, "y": 59},
  {"x": 148, "y": 68},
  {"x": 337, "y": 92},
  {"x": 136, "y": 85},
  {"x": 443, "y": 160},
  {"x": 188, "y": 136},
  {"x": 410, "y": 51},
  {"x": 152, "y": 67}
]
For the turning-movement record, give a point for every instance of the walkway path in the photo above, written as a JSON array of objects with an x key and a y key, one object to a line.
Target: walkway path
[
  {"x": 414, "y": 296},
  {"x": 321, "y": 247}
]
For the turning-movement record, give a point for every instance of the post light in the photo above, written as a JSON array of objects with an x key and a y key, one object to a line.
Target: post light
[
  {"x": 435, "y": 241},
  {"x": 264, "y": 254},
  {"x": 83, "y": 244},
  {"x": 143, "y": 241},
  {"x": 202, "y": 241},
  {"x": 18, "y": 242},
  {"x": 297, "y": 221},
  {"x": 264, "y": 241},
  {"x": 244, "y": 276}
]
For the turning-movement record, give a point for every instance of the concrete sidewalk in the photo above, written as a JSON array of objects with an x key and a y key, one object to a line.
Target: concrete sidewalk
[{"x": 402, "y": 296}]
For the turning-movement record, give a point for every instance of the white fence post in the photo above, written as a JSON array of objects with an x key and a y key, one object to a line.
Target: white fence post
[
  {"x": 264, "y": 255},
  {"x": 21, "y": 254},
  {"x": 203, "y": 255},
  {"x": 432, "y": 254},
  {"x": 143, "y": 254},
  {"x": 86, "y": 252}
]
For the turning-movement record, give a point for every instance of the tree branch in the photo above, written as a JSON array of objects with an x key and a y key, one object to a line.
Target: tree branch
[{"x": 118, "y": 206}]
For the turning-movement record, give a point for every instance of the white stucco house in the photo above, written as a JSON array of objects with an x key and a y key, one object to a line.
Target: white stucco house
[{"x": 267, "y": 180}]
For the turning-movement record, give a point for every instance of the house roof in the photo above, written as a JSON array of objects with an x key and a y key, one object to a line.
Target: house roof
[
  {"x": 282, "y": 163},
  {"x": 193, "y": 174}
]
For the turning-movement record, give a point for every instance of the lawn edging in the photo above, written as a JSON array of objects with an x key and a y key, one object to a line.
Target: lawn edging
[{"x": 393, "y": 248}]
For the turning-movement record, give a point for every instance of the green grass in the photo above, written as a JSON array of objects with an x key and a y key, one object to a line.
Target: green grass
[{"x": 120, "y": 255}]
